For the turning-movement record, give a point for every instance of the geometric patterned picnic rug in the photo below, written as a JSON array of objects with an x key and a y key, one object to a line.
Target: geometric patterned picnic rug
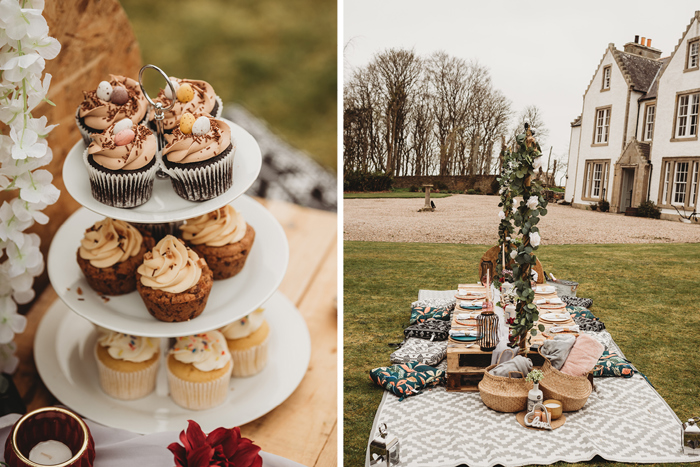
[{"x": 624, "y": 420}]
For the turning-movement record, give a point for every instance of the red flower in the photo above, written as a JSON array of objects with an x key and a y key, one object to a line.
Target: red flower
[
  {"x": 222, "y": 447},
  {"x": 510, "y": 321}
]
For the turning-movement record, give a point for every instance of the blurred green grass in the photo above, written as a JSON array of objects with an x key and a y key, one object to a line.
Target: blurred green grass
[{"x": 276, "y": 58}]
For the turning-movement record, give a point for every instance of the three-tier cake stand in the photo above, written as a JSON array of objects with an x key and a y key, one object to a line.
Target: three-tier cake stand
[{"x": 66, "y": 337}]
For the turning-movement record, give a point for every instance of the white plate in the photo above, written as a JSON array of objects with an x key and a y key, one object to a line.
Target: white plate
[
  {"x": 63, "y": 350},
  {"x": 229, "y": 300},
  {"x": 547, "y": 289},
  {"x": 556, "y": 317},
  {"x": 165, "y": 205}
]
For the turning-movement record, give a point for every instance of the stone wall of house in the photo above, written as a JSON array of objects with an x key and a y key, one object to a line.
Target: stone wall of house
[{"x": 457, "y": 182}]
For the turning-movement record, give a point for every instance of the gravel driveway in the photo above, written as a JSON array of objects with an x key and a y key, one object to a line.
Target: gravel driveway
[{"x": 474, "y": 219}]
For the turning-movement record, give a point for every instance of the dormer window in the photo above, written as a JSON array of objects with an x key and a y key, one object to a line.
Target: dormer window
[
  {"x": 693, "y": 55},
  {"x": 606, "y": 77}
]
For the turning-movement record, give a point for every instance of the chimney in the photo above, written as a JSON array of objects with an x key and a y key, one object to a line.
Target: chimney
[{"x": 642, "y": 48}]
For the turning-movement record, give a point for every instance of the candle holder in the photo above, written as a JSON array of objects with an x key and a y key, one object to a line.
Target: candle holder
[
  {"x": 50, "y": 423},
  {"x": 487, "y": 330}
]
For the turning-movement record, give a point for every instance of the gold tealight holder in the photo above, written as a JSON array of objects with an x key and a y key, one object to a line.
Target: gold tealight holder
[{"x": 45, "y": 424}]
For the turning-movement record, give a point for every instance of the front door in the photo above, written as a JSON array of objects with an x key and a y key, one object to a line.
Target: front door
[{"x": 626, "y": 189}]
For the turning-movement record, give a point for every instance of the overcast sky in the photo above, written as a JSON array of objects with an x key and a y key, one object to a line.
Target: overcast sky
[{"x": 538, "y": 52}]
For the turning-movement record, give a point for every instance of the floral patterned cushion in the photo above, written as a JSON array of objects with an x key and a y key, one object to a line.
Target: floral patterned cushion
[
  {"x": 611, "y": 364},
  {"x": 424, "y": 313},
  {"x": 407, "y": 379}
]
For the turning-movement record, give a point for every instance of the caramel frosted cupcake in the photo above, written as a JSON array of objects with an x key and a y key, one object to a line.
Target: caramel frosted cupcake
[
  {"x": 199, "y": 370},
  {"x": 127, "y": 365},
  {"x": 247, "y": 340},
  {"x": 112, "y": 101},
  {"x": 173, "y": 281},
  {"x": 222, "y": 238},
  {"x": 199, "y": 157},
  {"x": 109, "y": 254},
  {"x": 193, "y": 96},
  {"x": 121, "y": 164}
]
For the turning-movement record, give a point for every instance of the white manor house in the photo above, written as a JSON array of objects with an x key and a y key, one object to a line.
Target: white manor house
[{"x": 637, "y": 136}]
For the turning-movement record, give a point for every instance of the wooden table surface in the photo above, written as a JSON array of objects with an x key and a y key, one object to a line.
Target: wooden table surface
[{"x": 305, "y": 427}]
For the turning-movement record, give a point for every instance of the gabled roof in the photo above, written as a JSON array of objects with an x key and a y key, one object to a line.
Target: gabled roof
[
  {"x": 654, "y": 89},
  {"x": 635, "y": 152},
  {"x": 639, "y": 71},
  {"x": 696, "y": 17}
]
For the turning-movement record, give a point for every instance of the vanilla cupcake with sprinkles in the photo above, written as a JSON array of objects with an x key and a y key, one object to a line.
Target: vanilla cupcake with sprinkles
[
  {"x": 198, "y": 157},
  {"x": 199, "y": 369}
]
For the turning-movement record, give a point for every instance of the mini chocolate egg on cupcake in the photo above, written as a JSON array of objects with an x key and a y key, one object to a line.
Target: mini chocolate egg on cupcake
[
  {"x": 199, "y": 370},
  {"x": 222, "y": 238},
  {"x": 109, "y": 254},
  {"x": 247, "y": 340},
  {"x": 199, "y": 157},
  {"x": 173, "y": 281},
  {"x": 127, "y": 365},
  {"x": 193, "y": 96},
  {"x": 112, "y": 101},
  {"x": 121, "y": 164}
]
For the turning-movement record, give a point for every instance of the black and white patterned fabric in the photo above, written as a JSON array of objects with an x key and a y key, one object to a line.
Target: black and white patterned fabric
[
  {"x": 448, "y": 303},
  {"x": 420, "y": 350},
  {"x": 433, "y": 330},
  {"x": 586, "y": 324},
  {"x": 577, "y": 301},
  {"x": 287, "y": 173},
  {"x": 624, "y": 420}
]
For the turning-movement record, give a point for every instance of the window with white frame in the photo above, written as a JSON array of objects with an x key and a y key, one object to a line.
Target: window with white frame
[
  {"x": 606, "y": 77},
  {"x": 680, "y": 183},
  {"x": 680, "y": 180},
  {"x": 649, "y": 122},
  {"x": 602, "y": 126},
  {"x": 693, "y": 52},
  {"x": 687, "y": 115},
  {"x": 596, "y": 178},
  {"x": 694, "y": 184}
]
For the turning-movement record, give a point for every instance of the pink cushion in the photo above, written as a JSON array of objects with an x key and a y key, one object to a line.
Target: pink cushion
[{"x": 583, "y": 357}]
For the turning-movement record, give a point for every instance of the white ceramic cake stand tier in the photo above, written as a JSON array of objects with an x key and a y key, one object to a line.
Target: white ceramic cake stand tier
[
  {"x": 64, "y": 354},
  {"x": 229, "y": 300},
  {"x": 165, "y": 205}
]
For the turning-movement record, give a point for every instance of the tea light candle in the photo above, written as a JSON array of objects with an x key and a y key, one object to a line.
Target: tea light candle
[{"x": 50, "y": 453}]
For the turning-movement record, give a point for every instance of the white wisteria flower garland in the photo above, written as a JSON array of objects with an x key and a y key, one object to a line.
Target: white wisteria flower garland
[{"x": 24, "y": 47}]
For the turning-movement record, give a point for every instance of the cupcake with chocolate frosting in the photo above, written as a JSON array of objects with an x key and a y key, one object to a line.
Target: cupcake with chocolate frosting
[
  {"x": 199, "y": 370},
  {"x": 199, "y": 157},
  {"x": 127, "y": 365},
  {"x": 196, "y": 97},
  {"x": 109, "y": 254},
  {"x": 121, "y": 164},
  {"x": 222, "y": 238},
  {"x": 110, "y": 102},
  {"x": 247, "y": 340},
  {"x": 173, "y": 281}
]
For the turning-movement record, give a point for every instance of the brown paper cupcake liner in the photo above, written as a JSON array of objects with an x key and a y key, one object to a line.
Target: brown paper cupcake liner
[
  {"x": 125, "y": 189},
  {"x": 251, "y": 361},
  {"x": 127, "y": 385},
  {"x": 205, "y": 181},
  {"x": 199, "y": 395}
]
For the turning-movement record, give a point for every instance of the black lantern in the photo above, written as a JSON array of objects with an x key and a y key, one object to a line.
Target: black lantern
[{"x": 487, "y": 330}]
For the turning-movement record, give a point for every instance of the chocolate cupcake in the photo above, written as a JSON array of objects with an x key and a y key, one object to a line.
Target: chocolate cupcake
[
  {"x": 112, "y": 101},
  {"x": 222, "y": 238},
  {"x": 109, "y": 254},
  {"x": 196, "y": 97},
  {"x": 199, "y": 158},
  {"x": 121, "y": 164},
  {"x": 173, "y": 281}
]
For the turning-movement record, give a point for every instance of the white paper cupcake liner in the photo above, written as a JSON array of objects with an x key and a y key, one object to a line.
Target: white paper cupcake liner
[
  {"x": 199, "y": 395},
  {"x": 251, "y": 361},
  {"x": 127, "y": 385},
  {"x": 204, "y": 182},
  {"x": 121, "y": 190}
]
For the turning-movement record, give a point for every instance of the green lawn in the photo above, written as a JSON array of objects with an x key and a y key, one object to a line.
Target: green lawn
[
  {"x": 276, "y": 58},
  {"x": 645, "y": 295},
  {"x": 393, "y": 194}
]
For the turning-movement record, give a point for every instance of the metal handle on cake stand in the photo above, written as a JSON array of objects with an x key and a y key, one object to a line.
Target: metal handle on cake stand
[{"x": 160, "y": 115}]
